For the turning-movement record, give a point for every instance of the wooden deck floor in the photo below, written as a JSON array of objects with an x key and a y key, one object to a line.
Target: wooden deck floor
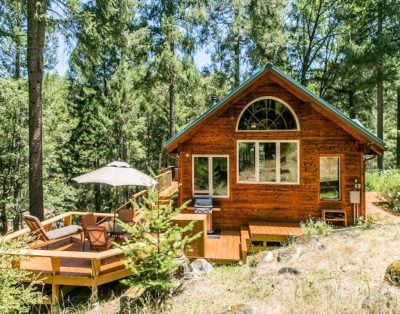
[
  {"x": 224, "y": 249},
  {"x": 274, "y": 228}
]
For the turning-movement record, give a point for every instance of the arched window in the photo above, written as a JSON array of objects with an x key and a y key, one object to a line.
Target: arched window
[{"x": 267, "y": 114}]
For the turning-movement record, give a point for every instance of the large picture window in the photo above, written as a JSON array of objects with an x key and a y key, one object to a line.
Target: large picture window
[
  {"x": 267, "y": 114},
  {"x": 329, "y": 177},
  {"x": 211, "y": 175},
  {"x": 274, "y": 162}
]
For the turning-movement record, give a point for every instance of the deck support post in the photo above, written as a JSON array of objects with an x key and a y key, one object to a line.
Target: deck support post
[
  {"x": 55, "y": 296},
  {"x": 94, "y": 295}
]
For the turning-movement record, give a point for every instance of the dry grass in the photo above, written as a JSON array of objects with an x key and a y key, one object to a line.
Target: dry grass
[{"x": 345, "y": 277}]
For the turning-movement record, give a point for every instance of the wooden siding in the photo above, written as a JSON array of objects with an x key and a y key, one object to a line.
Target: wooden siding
[{"x": 293, "y": 203}]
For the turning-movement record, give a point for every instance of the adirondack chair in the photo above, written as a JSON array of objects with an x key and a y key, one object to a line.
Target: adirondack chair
[{"x": 54, "y": 235}]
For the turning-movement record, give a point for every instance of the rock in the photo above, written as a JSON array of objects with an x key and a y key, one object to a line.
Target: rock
[
  {"x": 240, "y": 309},
  {"x": 392, "y": 273},
  {"x": 262, "y": 258},
  {"x": 289, "y": 270},
  {"x": 289, "y": 253},
  {"x": 131, "y": 299},
  {"x": 185, "y": 269},
  {"x": 379, "y": 299},
  {"x": 201, "y": 265},
  {"x": 303, "y": 239}
]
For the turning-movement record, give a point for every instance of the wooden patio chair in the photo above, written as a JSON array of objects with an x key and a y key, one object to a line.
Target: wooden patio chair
[
  {"x": 54, "y": 235},
  {"x": 127, "y": 216},
  {"x": 98, "y": 238}
]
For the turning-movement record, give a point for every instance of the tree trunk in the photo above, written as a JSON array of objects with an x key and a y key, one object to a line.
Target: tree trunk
[
  {"x": 17, "y": 70},
  {"x": 352, "y": 108},
  {"x": 379, "y": 84},
  {"x": 398, "y": 129},
  {"x": 35, "y": 50},
  {"x": 171, "y": 45},
  {"x": 172, "y": 113},
  {"x": 236, "y": 45}
]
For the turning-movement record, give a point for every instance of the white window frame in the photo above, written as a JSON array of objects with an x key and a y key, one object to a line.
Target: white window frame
[
  {"x": 210, "y": 177},
  {"x": 278, "y": 162},
  {"x": 273, "y": 98},
  {"x": 339, "y": 179}
]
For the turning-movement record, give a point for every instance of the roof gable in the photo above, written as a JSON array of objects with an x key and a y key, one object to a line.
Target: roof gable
[{"x": 354, "y": 126}]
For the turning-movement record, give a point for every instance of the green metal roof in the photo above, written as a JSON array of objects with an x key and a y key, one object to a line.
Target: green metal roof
[{"x": 269, "y": 67}]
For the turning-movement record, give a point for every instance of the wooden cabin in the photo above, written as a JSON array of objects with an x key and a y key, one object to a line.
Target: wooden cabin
[{"x": 274, "y": 152}]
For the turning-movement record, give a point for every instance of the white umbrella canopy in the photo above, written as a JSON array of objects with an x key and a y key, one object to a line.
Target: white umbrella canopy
[{"x": 117, "y": 173}]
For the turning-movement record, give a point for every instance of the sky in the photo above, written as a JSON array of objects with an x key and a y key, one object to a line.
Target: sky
[{"x": 201, "y": 58}]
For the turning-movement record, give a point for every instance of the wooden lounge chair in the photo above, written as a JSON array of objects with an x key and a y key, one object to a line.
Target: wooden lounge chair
[
  {"x": 54, "y": 235},
  {"x": 98, "y": 238}
]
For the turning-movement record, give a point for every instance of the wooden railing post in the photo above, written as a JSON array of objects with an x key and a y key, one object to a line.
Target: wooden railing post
[
  {"x": 68, "y": 220},
  {"x": 96, "y": 264},
  {"x": 55, "y": 288}
]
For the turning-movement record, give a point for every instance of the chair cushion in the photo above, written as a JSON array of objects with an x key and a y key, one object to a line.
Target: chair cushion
[{"x": 63, "y": 232}]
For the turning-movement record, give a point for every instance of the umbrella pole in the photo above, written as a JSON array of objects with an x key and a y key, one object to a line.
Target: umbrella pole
[{"x": 115, "y": 208}]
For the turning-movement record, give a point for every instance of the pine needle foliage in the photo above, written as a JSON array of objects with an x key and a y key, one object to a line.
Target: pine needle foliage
[
  {"x": 15, "y": 295},
  {"x": 155, "y": 245}
]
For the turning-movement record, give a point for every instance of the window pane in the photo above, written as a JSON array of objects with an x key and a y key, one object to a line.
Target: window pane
[
  {"x": 201, "y": 174},
  {"x": 288, "y": 162},
  {"x": 247, "y": 157},
  {"x": 220, "y": 176},
  {"x": 267, "y": 114},
  {"x": 329, "y": 177},
  {"x": 267, "y": 162}
]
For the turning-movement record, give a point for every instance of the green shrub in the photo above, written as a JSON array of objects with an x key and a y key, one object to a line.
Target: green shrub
[
  {"x": 156, "y": 243},
  {"x": 316, "y": 227},
  {"x": 15, "y": 296},
  {"x": 387, "y": 184}
]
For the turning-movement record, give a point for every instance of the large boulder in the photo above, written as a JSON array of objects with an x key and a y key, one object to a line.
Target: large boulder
[
  {"x": 200, "y": 265},
  {"x": 392, "y": 273}
]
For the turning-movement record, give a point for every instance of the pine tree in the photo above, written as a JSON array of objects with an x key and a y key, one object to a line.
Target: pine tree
[
  {"x": 245, "y": 35},
  {"x": 155, "y": 245}
]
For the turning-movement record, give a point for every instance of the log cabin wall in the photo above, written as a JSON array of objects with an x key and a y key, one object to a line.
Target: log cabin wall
[{"x": 317, "y": 136}]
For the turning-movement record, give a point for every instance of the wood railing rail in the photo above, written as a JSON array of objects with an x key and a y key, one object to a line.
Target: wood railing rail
[
  {"x": 138, "y": 197},
  {"x": 164, "y": 180}
]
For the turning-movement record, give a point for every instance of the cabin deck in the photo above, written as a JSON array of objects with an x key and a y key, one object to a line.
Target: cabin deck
[
  {"x": 226, "y": 248},
  {"x": 73, "y": 267}
]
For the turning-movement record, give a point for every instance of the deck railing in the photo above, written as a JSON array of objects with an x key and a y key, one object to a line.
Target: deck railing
[
  {"x": 97, "y": 270},
  {"x": 164, "y": 180}
]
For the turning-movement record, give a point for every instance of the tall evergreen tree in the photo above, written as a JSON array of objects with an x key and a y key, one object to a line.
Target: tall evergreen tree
[
  {"x": 174, "y": 28},
  {"x": 244, "y": 35},
  {"x": 105, "y": 65}
]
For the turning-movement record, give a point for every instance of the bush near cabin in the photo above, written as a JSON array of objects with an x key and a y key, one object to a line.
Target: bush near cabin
[
  {"x": 387, "y": 184},
  {"x": 316, "y": 227}
]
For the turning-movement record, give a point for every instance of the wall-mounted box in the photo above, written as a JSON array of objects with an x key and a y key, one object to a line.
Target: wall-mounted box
[{"x": 355, "y": 197}]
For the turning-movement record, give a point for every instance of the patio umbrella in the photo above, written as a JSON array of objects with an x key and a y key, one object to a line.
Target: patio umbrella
[{"x": 116, "y": 174}]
